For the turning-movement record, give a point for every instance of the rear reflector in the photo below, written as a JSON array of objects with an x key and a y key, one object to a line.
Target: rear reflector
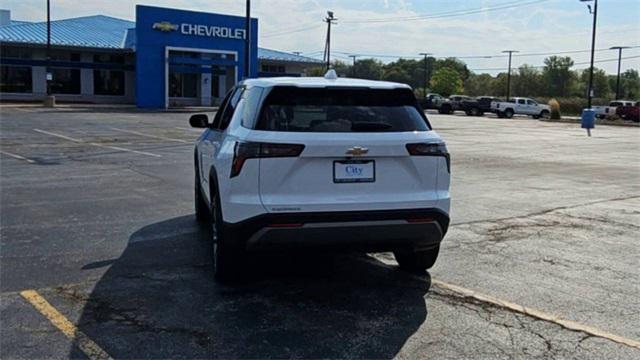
[
  {"x": 253, "y": 150},
  {"x": 430, "y": 149},
  {"x": 292, "y": 225},
  {"x": 420, "y": 220}
]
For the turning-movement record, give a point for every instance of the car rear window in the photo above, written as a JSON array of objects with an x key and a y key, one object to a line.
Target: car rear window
[{"x": 340, "y": 110}]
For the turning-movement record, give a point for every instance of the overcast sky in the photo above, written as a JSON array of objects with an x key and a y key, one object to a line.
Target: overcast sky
[{"x": 434, "y": 26}]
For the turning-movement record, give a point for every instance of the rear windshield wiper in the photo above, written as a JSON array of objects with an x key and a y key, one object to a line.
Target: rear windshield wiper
[{"x": 361, "y": 126}]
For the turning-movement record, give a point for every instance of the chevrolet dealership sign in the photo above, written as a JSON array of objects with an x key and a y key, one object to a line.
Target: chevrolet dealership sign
[{"x": 200, "y": 30}]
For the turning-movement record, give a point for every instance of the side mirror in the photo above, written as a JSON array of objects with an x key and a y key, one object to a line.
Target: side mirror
[{"x": 199, "y": 121}]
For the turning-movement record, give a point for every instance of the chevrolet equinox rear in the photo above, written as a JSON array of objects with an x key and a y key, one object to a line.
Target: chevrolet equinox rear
[{"x": 308, "y": 163}]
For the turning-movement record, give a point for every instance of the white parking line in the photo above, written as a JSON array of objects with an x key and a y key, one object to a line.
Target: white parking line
[
  {"x": 96, "y": 144},
  {"x": 150, "y": 136},
  {"x": 189, "y": 129},
  {"x": 16, "y": 156}
]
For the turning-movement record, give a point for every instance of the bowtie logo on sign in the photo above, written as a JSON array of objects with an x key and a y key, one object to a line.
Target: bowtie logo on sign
[
  {"x": 200, "y": 30},
  {"x": 165, "y": 26}
]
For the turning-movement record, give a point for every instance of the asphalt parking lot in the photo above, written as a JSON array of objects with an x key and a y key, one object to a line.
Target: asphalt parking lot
[{"x": 101, "y": 256}]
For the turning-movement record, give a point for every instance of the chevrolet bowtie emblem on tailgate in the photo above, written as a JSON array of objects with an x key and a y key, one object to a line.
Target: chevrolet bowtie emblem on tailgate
[
  {"x": 165, "y": 26},
  {"x": 357, "y": 151}
]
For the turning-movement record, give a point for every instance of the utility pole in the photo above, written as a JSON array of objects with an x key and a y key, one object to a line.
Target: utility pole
[
  {"x": 49, "y": 100},
  {"x": 509, "y": 72},
  {"x": 619, "y": 48},
  {"x": 327, "y": 46},
  {"x": 247, "y": 41},
  {"x": 353, "y": 67},
  {"x": 424, "y": 85},
  {"x": 593, "y": 46}
]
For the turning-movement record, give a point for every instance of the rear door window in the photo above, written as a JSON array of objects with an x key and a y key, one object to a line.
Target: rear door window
[
  {"x": 229, "y": 109},
  {"x": 341, "y": 110}
]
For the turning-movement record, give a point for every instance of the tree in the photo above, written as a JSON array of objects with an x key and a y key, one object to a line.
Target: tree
[
  {"x": 629, "y": 85},
  {"x": 527, "y": 82},
  {"x": 498, "y": 85},
  {"x": 455, "y": 64},
  {"x": 478, "y": 84},
  {"x": 398, "y": 75},
  {"x": 446, "y": 81},
  {"x": 369, "y": 69},
  {"x": 557, "y": 75},
  {"x": 601, "y": 87}
]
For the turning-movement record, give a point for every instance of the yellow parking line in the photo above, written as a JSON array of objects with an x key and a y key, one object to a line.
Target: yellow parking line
[
  {"x": 567, "y": 324},
  {"x": 88, "y": 346},
  {"x": 534, "y": 313}
]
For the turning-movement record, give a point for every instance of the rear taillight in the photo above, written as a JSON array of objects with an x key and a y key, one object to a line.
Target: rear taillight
[
  {"x": 254, "y": 150},
  {"x": 430, "y": 149}
]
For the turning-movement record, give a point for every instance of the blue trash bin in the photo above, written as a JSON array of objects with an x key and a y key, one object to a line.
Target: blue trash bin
[{"x": 588, "y": 118}]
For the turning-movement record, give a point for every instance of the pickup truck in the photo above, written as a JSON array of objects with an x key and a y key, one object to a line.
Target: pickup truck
[
  {"x": 604, "y": 111},
  {"x": 478, "y": 106},
  {"x": 629, "y": 111},
  {"x": 453, "y": 103},
  {"x": 432, "y": 101},
  {"x": 520, "y": 106}
]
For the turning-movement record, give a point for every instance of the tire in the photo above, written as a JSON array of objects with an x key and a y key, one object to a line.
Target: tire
[
  {"x": 544, "y": 114},
  {"x": 202, "y": 209},
  {"x": 445, "y": 109},
  {"x": 227, "y": 255},
  {"x": 475, "y": 112},
  {"x": 417, "y": 261},
  {"x": 508, "y": 113}
]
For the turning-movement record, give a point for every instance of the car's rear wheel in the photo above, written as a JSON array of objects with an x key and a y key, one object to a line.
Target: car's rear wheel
[
  {"x": 416, "y": 261},
  {"x": 508, "y": 113},
  {"x": 226, "y": 255},
  {"x": 475, "y": 112}
]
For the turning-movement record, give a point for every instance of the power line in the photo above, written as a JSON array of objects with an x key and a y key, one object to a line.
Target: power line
[
  {"x": 480, "y": 56},
  {"x": 579, "y": 63},
  {"x": 294, "y": 30},
  {"x": 452, "y": 13}
]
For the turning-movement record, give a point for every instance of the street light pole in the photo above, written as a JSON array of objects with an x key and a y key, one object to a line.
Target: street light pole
[
  {"x": 327, "y": 46},
  {"x": 509, "y": 72},
  {"x": 48, "y": 71},
  {"x": 247, "y": 41},
  {"x": 593, "y": 45},
  {"x": 353, "y": 67},
  {"x": 424, "y": 85},
  {"x": 619, "y": 48}
]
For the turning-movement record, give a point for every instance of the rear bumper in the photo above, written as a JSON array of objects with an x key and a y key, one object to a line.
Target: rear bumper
[{"x": 369, "y": 230}]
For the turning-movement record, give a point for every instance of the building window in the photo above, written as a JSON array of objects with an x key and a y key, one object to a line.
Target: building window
[
  {"x": 183, "y": 84},
  {"x": 273, "y": 68},
  {"x": 16, "y": 52},
  {"x": 108, "y": 58},
  {"x": 108, "y": 82},
  {"x": 15, "y": 79},
  {"x": 65, "y": 81},
  {"x": 61, "y": 55}
]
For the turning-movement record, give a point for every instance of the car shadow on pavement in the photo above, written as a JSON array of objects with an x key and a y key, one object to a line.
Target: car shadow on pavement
[{"x": 159, "y": 300}]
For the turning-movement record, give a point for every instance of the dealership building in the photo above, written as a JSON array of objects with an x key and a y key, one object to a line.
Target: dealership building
[{"x": 166, "y": 58}]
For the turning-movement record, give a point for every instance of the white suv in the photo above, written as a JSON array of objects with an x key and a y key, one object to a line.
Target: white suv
[{"x": 321, "y": 162}]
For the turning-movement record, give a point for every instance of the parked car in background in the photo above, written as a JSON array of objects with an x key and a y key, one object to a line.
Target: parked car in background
[
  {"x": 453, "y": 103},
  {"x": 432, "y": 101},
  {"x": 478, "y": 106},
  {"x": 629, "y": 111},
  {"x": 604, "y": 111},
  {"x": 520, "y": 106}
]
